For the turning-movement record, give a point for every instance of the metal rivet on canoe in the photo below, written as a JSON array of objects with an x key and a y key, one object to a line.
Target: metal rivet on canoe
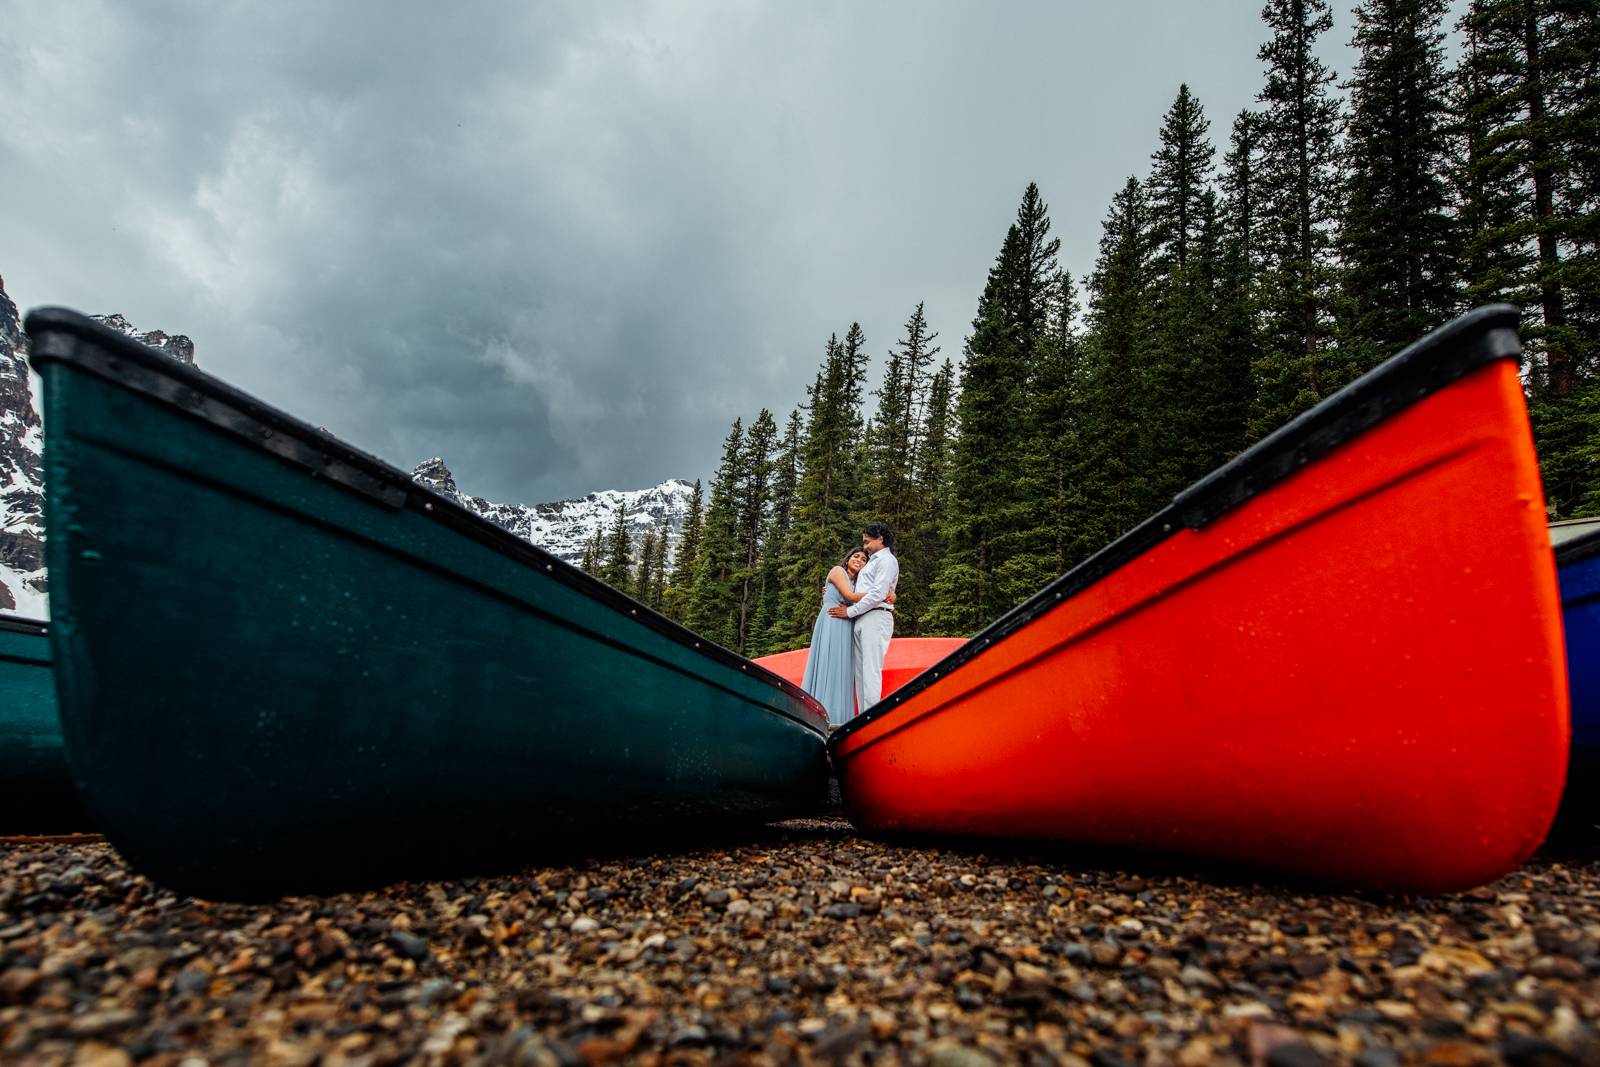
[
  {"x": 427, "y": 505},
  {"x": 633, "y": 611},
  {"x": 548, "y": 567}
]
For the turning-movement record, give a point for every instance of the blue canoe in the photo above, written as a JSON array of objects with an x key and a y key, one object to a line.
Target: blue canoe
[{"x": 1577, "y": 547}]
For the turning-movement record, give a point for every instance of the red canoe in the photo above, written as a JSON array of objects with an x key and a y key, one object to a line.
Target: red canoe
[
  {"x": 1339, "y": 656},
  {"x": 907, "y": 657}
]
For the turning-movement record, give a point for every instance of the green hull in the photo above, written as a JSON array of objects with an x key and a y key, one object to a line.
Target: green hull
[
  {"x": 284, "y": 667},
  {"x": 36, "y": 793}
]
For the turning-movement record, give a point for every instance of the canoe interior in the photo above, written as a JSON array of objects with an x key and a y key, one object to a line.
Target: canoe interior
[
  {"x": 1337, "y": 658},
  {"x": 273, "y": 680},
  {"x": 907, "y": 657},
  {"x": 1575, "y": 539},
  {"x": 36, "y": 791},
  {"x": 1580, "y": 614}
]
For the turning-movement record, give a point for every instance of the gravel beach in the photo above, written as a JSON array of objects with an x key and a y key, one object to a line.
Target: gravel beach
[{"x": 806, "y": 944}]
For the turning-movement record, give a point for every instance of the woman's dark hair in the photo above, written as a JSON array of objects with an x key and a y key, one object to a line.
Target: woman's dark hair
[{"x": 879, "y": 529}]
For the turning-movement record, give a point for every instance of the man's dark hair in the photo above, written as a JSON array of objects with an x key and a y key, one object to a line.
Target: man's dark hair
[{"x": 876, "y": 530}]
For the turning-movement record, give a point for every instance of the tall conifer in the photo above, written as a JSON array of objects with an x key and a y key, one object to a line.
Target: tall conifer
[
  {"x": 891, "y": 464},
  {"x": 752, "y": 499},
  {"x": 829, "y": 494},
  {"x": 1120, "y": 321},
  {"x": 986, "y": 523},
  {"x": 676, "y": 597},
  {"x": 1179, "y": 379},
  {"x": 594, "y": 552},
  {"x": 780, "y": 516},
  {"x": 1051, "y": 465},
  {"x": 614, "y": 570},
  {"x": 1535, "y": 114},
  {"x": 643, "y": 575},
  {"x": 1299, "y": 185},
  {"x": 1400, "y": 244},
  {"x": 932, "y": 474},
  {"x": 656, "y": 591},
  {"x": 1179, "y": 176},
  {"x": 712, "y": 609}
]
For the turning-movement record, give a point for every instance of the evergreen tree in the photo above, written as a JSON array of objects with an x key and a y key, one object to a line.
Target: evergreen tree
[
  {"x": 1050, "y": 473},
  {"x": 1114, "y": 491},
  {"x": 986, "y": 523},
  {"x": 891, "y": 461},
  {"x": 1238, "y": 325},
  {"x": 657, "y": 587},
  {"x": 712, "y": 609},
  {"x": 676, "y": 597},
  {"x": 1179, "y": 377},
  {"x": 752, "y": 496},
  {"x": 1218, "y": 420},
  {"x": 1299, "y": 187},
  {"x": 643, "y": 576},
  {"x": 1179, "y": 177},
  {"x": 826, "y": 499},
  {"x": 614, "y": 570},
  {"x": 1401, "y": 247},
  {"x": 785, "y": 482},
  {"x": 593, "y": 553},
  {"x": 1534, "y": 113},
  {"x": 931, "y": 477}
]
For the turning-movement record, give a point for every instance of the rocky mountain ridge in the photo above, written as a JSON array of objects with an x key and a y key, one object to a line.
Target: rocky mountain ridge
[
  {"x": 23, "y": 582},
  {"x": 564, "y": 527},
  {"x": 22, "y": 577}
]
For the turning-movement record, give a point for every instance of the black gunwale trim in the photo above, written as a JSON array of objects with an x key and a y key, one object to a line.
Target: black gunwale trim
[
  {"x": 1581, "y": 547},
  {"x": 1461, "y": 346},
  {"x": 19, "y": 624},
  {"x": 65, "y": 336}
]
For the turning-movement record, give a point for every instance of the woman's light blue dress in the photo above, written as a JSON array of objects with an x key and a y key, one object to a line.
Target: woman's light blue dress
[{"x": 830, "y": 668}]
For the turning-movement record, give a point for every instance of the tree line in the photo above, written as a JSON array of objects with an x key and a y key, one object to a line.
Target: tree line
[{"x": 1341, "y": 223}]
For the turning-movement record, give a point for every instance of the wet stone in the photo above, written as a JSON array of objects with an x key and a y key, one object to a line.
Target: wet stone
[
  {"x": 410, "y": 946},
  {"x": 804, "y": 943}
]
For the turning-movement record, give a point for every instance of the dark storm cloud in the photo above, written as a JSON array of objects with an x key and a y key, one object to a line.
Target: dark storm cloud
[{"x": 563, "y": 245}]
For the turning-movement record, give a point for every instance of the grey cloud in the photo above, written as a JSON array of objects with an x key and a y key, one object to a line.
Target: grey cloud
[{"x": 562, "y": 245}]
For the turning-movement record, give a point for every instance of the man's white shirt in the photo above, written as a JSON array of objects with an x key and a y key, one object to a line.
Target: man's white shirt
[{"x": 878, "y": 579}]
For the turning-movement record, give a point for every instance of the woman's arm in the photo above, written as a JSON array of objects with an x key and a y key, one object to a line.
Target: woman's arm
[{"x": 842, "y": 583}]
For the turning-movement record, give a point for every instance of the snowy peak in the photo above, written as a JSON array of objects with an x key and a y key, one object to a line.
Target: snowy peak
[
  {"x": 22, "y": 579},
  {"x": 177, "y": 346},
  {"x": 23, "y": 582},
  {"x": 564, "y": 527}
]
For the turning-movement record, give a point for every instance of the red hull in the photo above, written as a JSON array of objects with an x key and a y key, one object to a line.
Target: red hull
[
  {"x": 907, "y": 658},
  {"x": 1355, "y": 675}
]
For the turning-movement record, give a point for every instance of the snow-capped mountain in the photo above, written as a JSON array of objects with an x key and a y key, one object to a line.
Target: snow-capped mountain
[
  {"x": 23, "y": 583},
  {"x": 564, "y": 527},
  {"x": 22, "y": 580}
]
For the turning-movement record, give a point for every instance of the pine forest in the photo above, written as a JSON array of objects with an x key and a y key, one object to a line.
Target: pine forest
[{"x": 1239, "y": 280}]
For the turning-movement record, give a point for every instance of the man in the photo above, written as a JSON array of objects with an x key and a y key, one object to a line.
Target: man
[{"x": 873, "y": 615}]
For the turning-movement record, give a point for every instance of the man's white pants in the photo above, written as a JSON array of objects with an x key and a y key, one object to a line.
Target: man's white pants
[{"x": 872, "y": 632}]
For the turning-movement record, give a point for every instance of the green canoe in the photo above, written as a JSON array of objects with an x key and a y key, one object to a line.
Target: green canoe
[
  {"x": 283, "y": 666},
  {"x": 36, "y": 793}
]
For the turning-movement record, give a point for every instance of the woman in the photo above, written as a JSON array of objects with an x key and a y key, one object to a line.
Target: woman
[{"x": 830, "y": 667}]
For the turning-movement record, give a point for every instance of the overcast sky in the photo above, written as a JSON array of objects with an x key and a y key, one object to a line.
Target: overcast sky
[{"x": 563, "y": 245}]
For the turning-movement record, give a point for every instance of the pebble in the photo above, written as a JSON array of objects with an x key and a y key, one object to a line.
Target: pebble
[{"x": 804, "y": 944}]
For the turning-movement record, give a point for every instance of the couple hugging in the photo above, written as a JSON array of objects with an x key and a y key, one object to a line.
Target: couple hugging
[{"x": 844, "y": 670}]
